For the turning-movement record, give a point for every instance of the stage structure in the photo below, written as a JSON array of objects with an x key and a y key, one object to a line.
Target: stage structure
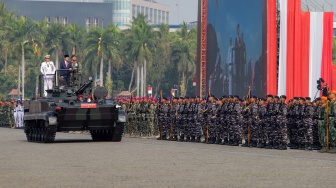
[{"x": 266, "y": 45}]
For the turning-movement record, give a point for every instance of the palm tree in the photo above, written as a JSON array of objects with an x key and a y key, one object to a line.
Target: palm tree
[
  {"x": 22, "y": 29},
  {"x": 56, "y": 35},
  {"x": 139, "y": 44},
  {"x": 184, "y": 54}
]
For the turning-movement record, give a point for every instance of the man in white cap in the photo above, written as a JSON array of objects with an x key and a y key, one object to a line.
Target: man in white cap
[{"x": 48, "y": 70}]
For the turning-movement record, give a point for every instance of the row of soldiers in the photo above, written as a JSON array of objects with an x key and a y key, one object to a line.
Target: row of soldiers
[
  {"x": 7, "y": 113},
  {"x": 265, "y": 123}
]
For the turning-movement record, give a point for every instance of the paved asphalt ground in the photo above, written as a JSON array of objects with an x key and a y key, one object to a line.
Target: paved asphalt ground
[{"x": 75, "y": 161}]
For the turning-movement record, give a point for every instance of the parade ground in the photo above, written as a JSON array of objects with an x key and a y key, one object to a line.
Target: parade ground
[{"x": 76, "y": 161}]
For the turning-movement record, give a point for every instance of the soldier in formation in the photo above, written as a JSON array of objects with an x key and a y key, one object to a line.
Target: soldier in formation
[{"x": 269, "y": 123}]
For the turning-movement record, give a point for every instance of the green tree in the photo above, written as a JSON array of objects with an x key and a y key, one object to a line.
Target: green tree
[{"x": 140, "y": 42}]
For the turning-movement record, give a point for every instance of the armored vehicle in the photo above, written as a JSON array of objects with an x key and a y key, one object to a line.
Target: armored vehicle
[{"x": 70, "y": 108}]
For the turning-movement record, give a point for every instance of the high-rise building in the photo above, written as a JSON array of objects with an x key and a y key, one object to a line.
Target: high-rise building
[
  {"x": 91, "y": 12},
  {"x": 125, "y": 10}
]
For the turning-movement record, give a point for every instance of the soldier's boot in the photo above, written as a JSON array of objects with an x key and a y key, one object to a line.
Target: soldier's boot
[
  {"x": 322, "y": 150},
  {"x": 308, "y": 147},
  {"x": 181, "y": 138},
  {"x": 283, "y": 146},
  {"x": 276, "y": 145},
  {"x": 295, "y": 146},
  {"x": 289, "y": 145},
  {"x": 269, "y": 145},
  {"x": 254, "y": 144},
  {"x": 260, "y": 145},
  {"x": 164, "y": 137},
  {"x": 230, "y": 142},
  {"x": 245, "y": 144},
  {"x": 225, "y": 141},
  {"x": 235, "y": 142},
  {"x": 198, "y": 139},
  {"x": 219, "y": 141},
  {"x": 210, "y": 140},
  {"x": 302, "y": 146},
  {"x": 175, "y": 138},
  {"x": 187, "y": 139},
  {"x": 192, "y": 139}
]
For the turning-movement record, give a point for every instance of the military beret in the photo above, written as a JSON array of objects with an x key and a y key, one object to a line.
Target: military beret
[
  {"x": 277, "y": 97},
  {"x": 318, "y": 99},
  {"x": 236, "y": 96},
  {"x": 283, "y": 97},
  {"x": 224, "y": 96},
  {"x": 308, "y": 98},
  {"x": 296, "y": 98},
  {"x": 302, "y": 98},
  {"x": 253, "y": 97},
  {"x": 165, "y": 98},
  {"x": 176, "y": 98},
  {"x": 197, "y": 96},
  {"x": 212, "y": 95},
  {"x": 269, "y": 96},
  {"x": 324, "y": 98}
]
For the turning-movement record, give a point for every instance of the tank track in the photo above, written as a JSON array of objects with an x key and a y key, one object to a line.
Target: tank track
[
  {"x": 40, "y": 132},
  {"x": 114, "y": 134},
  {"x": 102, "y": 135},
  {"x": 118, "y": 132}
]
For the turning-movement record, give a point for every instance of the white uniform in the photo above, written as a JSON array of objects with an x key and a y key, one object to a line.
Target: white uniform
[
  {"x": 16, "y": 117},
  {"x": 48, "y": 70},
  {"x": 21, "y": 116}
]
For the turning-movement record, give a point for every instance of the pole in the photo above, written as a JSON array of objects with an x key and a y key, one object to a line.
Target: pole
[{"x": 19, "y": 84}]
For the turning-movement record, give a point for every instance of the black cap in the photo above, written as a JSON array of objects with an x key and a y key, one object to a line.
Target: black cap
[
  {"x": 283, "y": 97},
  {"x": 318, "y": 99},
  {"x": 224, "y": 96},
  {"x": 296, "y": 98},
  {"x": 308, "y": 98},
  {"x": 212, "y": 95},
  {"x": 66, "y": 56},
  {"x": 277, "y": 97},
  {"x": 301, "y": 98},
  {"x": 269, "y": 96},
  {"x": 253, "y": 97}
]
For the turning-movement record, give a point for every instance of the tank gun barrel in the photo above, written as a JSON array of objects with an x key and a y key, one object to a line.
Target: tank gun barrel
[{"x": 86, "y": 85}]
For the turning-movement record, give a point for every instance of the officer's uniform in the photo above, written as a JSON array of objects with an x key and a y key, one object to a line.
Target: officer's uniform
[{"x": 48, "y": 70}]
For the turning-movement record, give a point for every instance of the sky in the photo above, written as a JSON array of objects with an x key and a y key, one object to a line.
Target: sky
[{"x": 181, "y": 10}]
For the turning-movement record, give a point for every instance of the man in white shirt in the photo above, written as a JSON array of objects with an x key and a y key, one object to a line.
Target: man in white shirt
[
  {"x": 229, "y": 63},
  {"x": 48, "y": 70}
]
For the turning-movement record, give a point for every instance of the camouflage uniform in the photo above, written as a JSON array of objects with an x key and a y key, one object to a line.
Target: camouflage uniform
[
  {"x": 321, "y": 128},
  {"x": 332, "y": 124},
  {"x": 235, "y": 124},
  {"x": 269, "y": 125},
  {"x": 316, "y": 141},
  {"x": 282, "y": 123},
  {"x": 253, "y": 116},
  {"x": 262, "y": 126},
  {"x": 211, "y": 122},
  {"x": 308, "y": 126}
]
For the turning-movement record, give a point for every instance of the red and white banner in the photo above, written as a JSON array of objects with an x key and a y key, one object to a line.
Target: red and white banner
[{"x": 305, "y": 52}]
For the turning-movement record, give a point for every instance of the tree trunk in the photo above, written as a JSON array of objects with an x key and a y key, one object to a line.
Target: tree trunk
[
  {"x": 145, "y": 77},
  {"x": 109, "y": 68},
  {"x": 56, "y": 59},
  {"x": 23, "y": 74},
  {"x": 138, "y": 80},
  {"x": 101, "y": 72},
  {"x": 36, "y": 87},
  {"x": 96, "y": 73},
  {"x": 19, "y": 83},
  {"x": 142, "y": 88},
  {"x": 6, "y": 60},
  {"x": 131, "y": 82}
]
